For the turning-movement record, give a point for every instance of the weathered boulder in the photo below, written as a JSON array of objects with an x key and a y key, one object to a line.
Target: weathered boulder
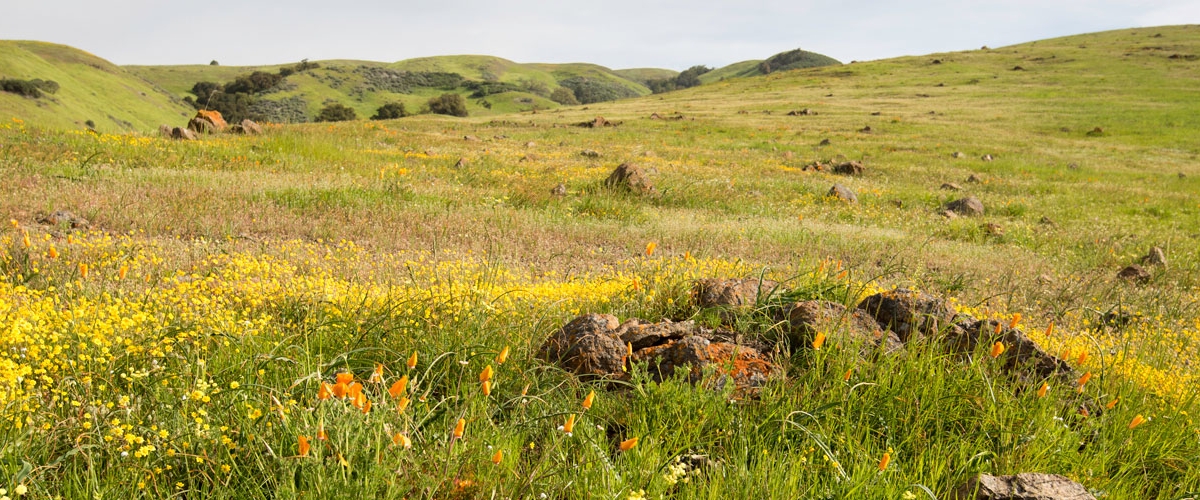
[
  {"x": 250, "y": 127},
  {"x": 950, "y": 186},
  {"x": 1156, "y": 257},
  {"x": 744, "y": 365},
  {"x": 968, "y": 206},
  {"x": 1027, "y": 486},
  {"x": 183, "y": 134},
  {"x": 717, "y": 292},
  {"x": 207, "y": 122},
  {"x": 164, "y": 130},
  {"x": 842, "y": 193},
  {"x": 909, "y": 313},
  {"x": 1022, "y": 357},
  {"x": 588, "y": 346},
  {"x": 848, "y": 168},
  {"x": 64, "y": 218},
  {"x": 559, "y": 189},
  {"x": 840, "y": 325},
  {"x": 1134, "y": 273},
  {"x": 629, "y": 178}
]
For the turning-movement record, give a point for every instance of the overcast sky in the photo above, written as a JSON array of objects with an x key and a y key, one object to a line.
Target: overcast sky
[{"x": 672, "y": 34}]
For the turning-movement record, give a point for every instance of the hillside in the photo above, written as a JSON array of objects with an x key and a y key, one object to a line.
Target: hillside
[
  {"x": 90, "y": 89},
  {"x": 366, "y": 85},
  {"x": 968, "y": 263}
]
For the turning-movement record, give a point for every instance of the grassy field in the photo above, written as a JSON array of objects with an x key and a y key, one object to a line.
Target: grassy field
[{"x": 180, "y": 346}]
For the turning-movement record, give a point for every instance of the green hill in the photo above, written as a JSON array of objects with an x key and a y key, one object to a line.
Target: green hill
[
  {"x": 783, "y": 61},
  {"x": 90, "y": 89},
  {"x": 736, "y": 70},
  {"x": 643, "y": 75}
]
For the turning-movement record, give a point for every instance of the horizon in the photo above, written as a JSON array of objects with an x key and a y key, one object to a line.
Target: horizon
[{"x": 667, "y": 35}]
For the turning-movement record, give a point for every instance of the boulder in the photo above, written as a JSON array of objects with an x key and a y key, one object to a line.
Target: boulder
[
  {"x": 559, "y": 190},
  {"x": 64, "y": 218},
  {"x": 1156, "y": 257},
  {"x": 840, "y": 325},
  {"x": 587, "y": 346},
  {"x": 692, "y": 355},
  {"x": 183, "y": 134},
  {"x": 848, "y": 168},
  {"x": 717, "y": 292},
  {"x": 164, "y": 130},
  {"x": 1134, "y": 273},
  {"x": 950, "y": 186},
  {"x": 207, "y": 122},
  {"x": 842, "y": 193},
  {"x": 1022, "y": 356},
  {"x": 252, "y": 128},
  {"x": 1027, "y": 486},
  {"x": 909, "y": 313},
  {"x": 629, "y": 178},
  {"x": 968, "y": 206}
]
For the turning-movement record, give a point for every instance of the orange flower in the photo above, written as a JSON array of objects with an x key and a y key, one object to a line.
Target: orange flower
[
  {"x": 25, "y": 241},
  {"x": 321, "y": 434},
  {"x": 498, "y": 456},
  {"x": 1111, "y": 404},
  {"x": 122, "y": 271},
  {"x": 1042, "y": 391},
  {"x": 412, "y": 361},
  {"x": 397, "y": 389},
  {"x": 1084, "y": 379},
  {"x": 1138, "y": 420},
  {"x": 377, "y": 375},
  {"x": 487, "y": 388},
  {"x": 401, "y": 405},
  {"x": 628, "y": 444},
  {"x": 304, "y": 446},
  {"x": 324, "y": 392},
  {"x": 345, "y": 378},
  {"x": 15, "y": 224},
  {"x": 629, "y": 348},
  {"x": 52, "y": 252},
  {"x": 339, "y": 390},
  {"x": 569, "y": 426},
  {"x": 846, "y": 376},
  {"x": 819, "y": 341},
  {"x": 401, "y": 439},
  {"x": 364, "y": 404},
  {"x": 503, "y": 356},
  {"x": 997, "y": 329},
  {"x": 83, "y": 270},
  {"x": 459, "y": 427},
  {"x": 1016, "y": 318},
  {"x": 354, "y": 391},
  {"x": 1082, "y": 357},
  {"x": 650, "y": 248},
  {"x": 486, "y": 374},
  {"x": 997, "y": 350},
  {"x": 1049, "y": 329},
  {"x": 588, "y": 400},
  {"x": 883, "y": 462}
]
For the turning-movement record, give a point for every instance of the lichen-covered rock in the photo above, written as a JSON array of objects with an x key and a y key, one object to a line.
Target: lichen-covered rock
[
  {"x": 629, "y": 177},
  {"x": 843, "y": 193},
  {"x": 1022, "y": 356},
  {"x": 1027, "y": 486},
  {"x": 587, "y": 346},
  {"x": 969, "y": 206},
  {"x": 909, "y": 313},
  {"x": 718, "y": 292},
  {"x": 840, "y": 325}
]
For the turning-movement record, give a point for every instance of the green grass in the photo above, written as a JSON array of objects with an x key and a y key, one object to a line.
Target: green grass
[{"x": 282, "y": 259}]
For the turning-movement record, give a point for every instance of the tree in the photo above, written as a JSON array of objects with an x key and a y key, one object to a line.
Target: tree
[
  {"x": 214, "y": 63},
  {"x": 448, "y": 104},
  {"x": 390, "y": 111},
  {"x": 564, "y": 96},
  {"x": 336, "y": 112},
  {"x": 204, "y": 90}
]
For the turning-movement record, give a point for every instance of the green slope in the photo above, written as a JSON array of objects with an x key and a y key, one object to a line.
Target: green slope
[
  {"x": 91, "y": 88},
  {"x": 642, "y": 75},
  {"x": 735, "y": 70}
]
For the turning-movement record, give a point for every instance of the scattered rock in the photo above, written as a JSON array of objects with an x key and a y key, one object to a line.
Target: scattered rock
[
  {"x": 948, "y": 214},
  {"x": 530, "y": 144},
  {"x": 1182, "y": 175},
  {"x": 1134, "y": 273},
  {"x": 866, "y": 129},
  {"x": 908, "y": 313},
  {"x": 1026, "y": 486},
  {"x": 840, "y": 325},
  {"x": 559, "y": 190},
  {"x": 587, "y": 346},
  {"x": 1022, "y": 357},
  {"x": 183, "y": 134},
  {"x": 207, "y": 122},
  {"x": 968, "y": 206},
  {"x": 1046, "y": 221},
  {"x": 470, "y": 138},
  {"x": 842, "y": 193},
  {"x": 164, "y": 130},
  {"x": 876, "y": 113},
  {"x": 987, "y": 157},
  {"x": 64, "y": 218},
  {"x": 461, "y": 163},
  {"x": 957, "y": 154},
  {"x": 1096, "y": 132},
  {"x": 1045, "y": 279},
  {"x": 803, "y": 112},
  {"x": 897, "y": 203},
  {"x": 787, "y": 155},
  {"x": 718, "y": 292},
  {"x": 1018, "y": 68},
  {"x": 1156, "y": 257},
  {"x": 993, "y": 229},
  {"x": 1073, "y": 166},
  {"x": 936, "y": 61},
  {"x": 630, "y": 178},
  {"x": 950, "y": 186},
  {"x": 824, "y": 142},
  {"x": 530, "y": 157},
  {"x": 589, "y": 153},
  {"x": 599, "y": 122},
  {"x": 848, "y": 168},
  {"x": 250, "y": 127},
  {"x": 974, "y": 179}
]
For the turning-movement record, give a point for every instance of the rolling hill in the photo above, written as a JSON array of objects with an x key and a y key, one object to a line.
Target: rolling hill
[{"x": 90, "y": 89}]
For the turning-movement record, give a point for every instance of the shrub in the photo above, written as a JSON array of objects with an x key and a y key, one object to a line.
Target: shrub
[
  {"x": 204, "y": 90},
  {"x": 214, "y": 63},
  {"x": 448, "y": 104},
  {"x": 795, "y": 59},
  {"x": 484, "y": 89},
  {"x": 233, "y": 107},
  {"x": 47, "y": 86},
  {"x": 687, "y": 79},
  {"x": 258, "y": 81},
  {"x": 590, "y": 90},
  {"x": 390, "y": 111},
  {"x": 336, "y": 113},
  {"x": 564, "y": 96},
  {"x": 21, "y": 87},
  {"x": 535, "y": 87}
]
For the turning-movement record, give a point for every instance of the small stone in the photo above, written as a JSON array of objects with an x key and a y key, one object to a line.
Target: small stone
[
  {"x": 461, "y": 163},
  {"x": 974, "y": 179},
  {"x": 559, "y": 190},
  {"x": 1096, "y": 132},
  {"x": 968, "y": 206},
  {"x": 957, "y": 154},
  {"x": 1156, "y": 257},
  {"x": 950, "y": 186},
  {"x": 1134, "y": 273},
  {"x": 987, "y": 157},
  {"x": 589, "y": 153},
  {"x": 842, "y": 193},
  {"x": 848, "y": 168},
  {"x": 64, "y": 218},
  {"x": 530, "y": 144},
  {"x": 1027, "y": 486},
  {"x": 470, "y": 138},
  {"x": 866, "y": 129},
  {"x": 630, "y": 178},
  {"x": 993, "y": 229},
  {"x": 824, "y": 142}
]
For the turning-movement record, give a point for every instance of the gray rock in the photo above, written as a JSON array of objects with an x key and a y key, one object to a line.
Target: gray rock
[
  {"x": 1156, "y": 257},
  {"x": 950, "y": 186},
  {"x": 840, "y": 325},
  {"x": 559, "y": 190},
  {"x": 968, "y": 206},
  {"x": 1134, "y": 273},
  {"x": 842, "y": 193},
  {"x": 1022, "y": 356},
  {"x": 587, "y": 346},
  {"x": 630, "y": 178},
  {"x": 1027, "y": 486},
  {"x": 909, "y": 313},
  {"x": 848, "y": 168},
  {"x": 987, "y": 157},
  {"x": 718, "y": 292},
  {"x": 183, "y": 134}
]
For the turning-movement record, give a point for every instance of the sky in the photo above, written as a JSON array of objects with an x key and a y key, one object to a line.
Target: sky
[{"x": 674, "y": 34}]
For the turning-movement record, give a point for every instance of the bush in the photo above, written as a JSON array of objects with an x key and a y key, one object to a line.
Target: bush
[
  {"x": 564, "y": 96},
  {"x": 258, "y": 81},
  {"x": 795, "y": 59},
  {"x": 214, "y": 63},
  {"x": 205, "y": 90},
  {"x": 448, "y": 104},
  {"x": 589, "y": 90},
  {"x": 336, "y": 113},
  {"x": 47, "y": 86},
  {"x": 21, "y": 87},
  {"x": 390, "y": 111},
  {"x": 484, "y": 89},
  {"x": 233, "y": 107},
  {"x": 687, "y": 79}
]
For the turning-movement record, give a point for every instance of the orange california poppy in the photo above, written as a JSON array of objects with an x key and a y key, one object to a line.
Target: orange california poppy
[
  {"x": 628, "y": 444},
  {"x": 397, "y": 389},
  {"x": 345, "y": 378},
  {"x": 304, "y": 446}
]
